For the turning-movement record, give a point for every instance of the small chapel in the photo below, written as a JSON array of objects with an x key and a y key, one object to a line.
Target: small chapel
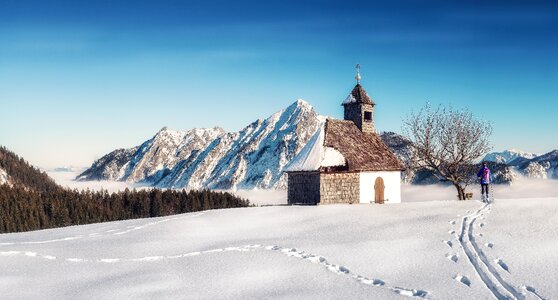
[{"x": 346, "y": 161}]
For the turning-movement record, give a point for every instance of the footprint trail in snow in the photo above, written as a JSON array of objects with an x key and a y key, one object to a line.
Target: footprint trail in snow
[{"x": 291, "y": 252}]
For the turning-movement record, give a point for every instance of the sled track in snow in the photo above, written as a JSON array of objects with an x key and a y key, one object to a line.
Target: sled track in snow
[
  {"x": 501, "y": 289},
  {"x": 291, "y": 252}
]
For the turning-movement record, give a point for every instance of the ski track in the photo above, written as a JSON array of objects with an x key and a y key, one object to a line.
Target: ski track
[
  {"x": 499, "y": 287},
  {"x": 290, "y": 252},
  {"x": 120, "y": 231},
  {"x": 532, "y": 290}
]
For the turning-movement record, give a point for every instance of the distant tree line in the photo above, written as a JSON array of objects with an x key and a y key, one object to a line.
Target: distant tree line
[{"x": 34, "y": 201}]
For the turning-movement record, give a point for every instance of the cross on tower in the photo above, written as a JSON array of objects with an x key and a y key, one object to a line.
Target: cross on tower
[{"x": 357, "y": 77}]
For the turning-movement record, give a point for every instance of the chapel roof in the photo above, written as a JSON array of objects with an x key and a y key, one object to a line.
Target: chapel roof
[
  {"x": 362, "y": 151},
  {"x": 339, "y": 143}
]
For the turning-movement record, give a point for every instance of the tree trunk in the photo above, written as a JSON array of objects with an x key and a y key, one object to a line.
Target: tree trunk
[{"x": 460, "y": 191}]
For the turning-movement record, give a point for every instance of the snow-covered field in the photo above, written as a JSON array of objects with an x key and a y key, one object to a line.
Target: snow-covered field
[{"x": 435, "y": 250}]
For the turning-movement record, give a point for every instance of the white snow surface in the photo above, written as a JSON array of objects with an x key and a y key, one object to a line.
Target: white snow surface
[
  {"x": 3, "y": 177},
  {"x": 349, "y": 99},
  {"x": 295, "y": 252},
  {"x": 315, "y": 155}
]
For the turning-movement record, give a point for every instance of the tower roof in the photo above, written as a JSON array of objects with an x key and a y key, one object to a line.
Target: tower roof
[{"x": 358, "y": 95}]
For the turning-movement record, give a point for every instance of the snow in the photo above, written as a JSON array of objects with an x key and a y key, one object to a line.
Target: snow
[
  {"x": 332, "y": 158},
  {"x": 329, "y": 251},
  {"x": 524, "y": 251},
  {"x": 263, "y": 197},
  {"x": 3, "y": 177},
  {"x": 253, "y": 157},
  {"x": 350, "y": 99},
  {"x": 315, "y": 155}
]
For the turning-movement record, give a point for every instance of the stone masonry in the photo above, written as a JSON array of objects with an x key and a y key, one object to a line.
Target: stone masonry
[
  {"x": 312, "y": 188},
  {"x": 340, "y": 188},
  {"x": 355, "y": 112}
]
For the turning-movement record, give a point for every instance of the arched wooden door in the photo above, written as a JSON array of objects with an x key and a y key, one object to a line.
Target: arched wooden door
[{"x": 379, "y": 190}]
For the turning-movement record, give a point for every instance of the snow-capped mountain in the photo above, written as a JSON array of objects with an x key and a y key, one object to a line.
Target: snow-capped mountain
[
  {"x": 529, "y": 164},
  {"x": 508, "y": 156},
  {"x": 255, "y": 156},
  {"x": 544, "y": 166},
  {"x": 212, "y": 158}
]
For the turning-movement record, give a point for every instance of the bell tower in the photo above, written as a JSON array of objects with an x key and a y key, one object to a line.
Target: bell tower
[{"x": 359, "y": 108}]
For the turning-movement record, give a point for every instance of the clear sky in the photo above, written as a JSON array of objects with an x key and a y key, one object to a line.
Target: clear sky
[{"x": 81, "y": 78}]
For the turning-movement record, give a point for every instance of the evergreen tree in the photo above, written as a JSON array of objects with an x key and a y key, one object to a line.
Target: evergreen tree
[{"x": 33, "y": 201}]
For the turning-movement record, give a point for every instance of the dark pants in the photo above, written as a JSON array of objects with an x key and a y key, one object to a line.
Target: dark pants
[{"x": 484, "y": 188}]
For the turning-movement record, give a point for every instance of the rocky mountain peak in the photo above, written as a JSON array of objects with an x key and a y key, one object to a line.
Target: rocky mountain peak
[
  {"x": 211, "y": 157},
  {"x": 255, "y": 156}
]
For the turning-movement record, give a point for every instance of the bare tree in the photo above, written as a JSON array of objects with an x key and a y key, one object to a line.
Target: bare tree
[{"x": 448, "y": 142}]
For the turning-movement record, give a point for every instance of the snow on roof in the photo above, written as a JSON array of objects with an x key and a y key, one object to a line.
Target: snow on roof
[
  {"x": 315, "y": 155},
  {"x": 358, "y": 95},
  {"x": 341, "y": 143},
  {"x": 350, "y": 99}
]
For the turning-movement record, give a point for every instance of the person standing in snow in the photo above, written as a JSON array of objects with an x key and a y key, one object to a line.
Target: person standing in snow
[{"x": 484, "y": 176}]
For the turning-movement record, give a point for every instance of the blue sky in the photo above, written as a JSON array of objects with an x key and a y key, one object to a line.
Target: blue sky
[{"x": 81, "y": 78}]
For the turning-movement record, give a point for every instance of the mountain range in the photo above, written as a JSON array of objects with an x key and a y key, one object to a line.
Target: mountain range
[
  {"x": 212, "y": 158},
  {"x": 529, "y": 164},
  {"x": 255, "y": 156},
  {"x": 509, "y": 156}
]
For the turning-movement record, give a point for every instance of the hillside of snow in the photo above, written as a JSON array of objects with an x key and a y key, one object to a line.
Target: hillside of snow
[{"x": 431, "y": 250}]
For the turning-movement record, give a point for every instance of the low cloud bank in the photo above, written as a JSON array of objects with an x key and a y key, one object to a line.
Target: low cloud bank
[
  {"x": 66, "y": 179},
  {"x": 523, "y": 187}
]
